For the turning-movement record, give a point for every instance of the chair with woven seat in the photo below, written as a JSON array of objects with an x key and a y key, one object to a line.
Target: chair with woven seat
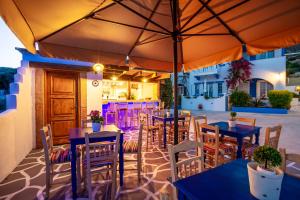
[
  {"x": 272, "y": 136},
  {"x": 122, "y": 115},
  {"x": 215, "y": 152},
  {"x": 291, "y": 157},
  {"x": 201, "y": 119},
  {"x": 185, "y": 167},
  {"x": 151, "y": 131},
  {"x": 135, "y": 147},
  {"x": 133, "y": 114},
  {"x": 101, "y": 157},
  {"x": 54, "y": 157}
]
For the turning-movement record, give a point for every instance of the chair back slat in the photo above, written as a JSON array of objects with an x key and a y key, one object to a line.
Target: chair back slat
[
  {"x": 209, "y": 136},
  {"x": 47, "y": 141},
  {"x": 144, "y": 119},
  {"x": 270, "y": 139},
  {"x": 201, "y": 119},
  {"x": 101, "y": 151},
  {"x": 291, "y": 157},
  {"x": 247, "y": 121},
  {"x": 183, "y": 168}
]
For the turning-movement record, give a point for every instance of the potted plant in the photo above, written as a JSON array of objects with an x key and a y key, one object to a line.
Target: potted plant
[
  {"x": 264, "y": 175},
  {"x": 231, "y": 121},
  {"x": 97, "y": 120}
]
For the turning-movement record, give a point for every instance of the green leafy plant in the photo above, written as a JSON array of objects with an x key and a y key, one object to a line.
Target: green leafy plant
[
  {"x": 267, "y": 157},
  {"x": 239, "y": 98},
  {"x": 233, "y": 115},
  {"x": 257, "y": 102},
  {"x": 280, "y": 98},
  {"x": 166, "y": 91}
]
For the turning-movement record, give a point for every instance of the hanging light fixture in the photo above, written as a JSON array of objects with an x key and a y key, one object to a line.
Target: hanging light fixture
[{"x": 98, "y": 68}]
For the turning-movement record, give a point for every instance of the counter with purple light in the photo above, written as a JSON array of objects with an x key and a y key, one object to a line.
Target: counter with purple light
[{"x": 124, "y": 113}]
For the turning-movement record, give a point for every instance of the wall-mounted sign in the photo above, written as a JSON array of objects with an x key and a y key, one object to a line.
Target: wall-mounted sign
[{"x": 95, "y": 83}]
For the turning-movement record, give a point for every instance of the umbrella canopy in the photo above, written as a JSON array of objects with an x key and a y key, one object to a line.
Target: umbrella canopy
[{"x": 107, "y": 31}]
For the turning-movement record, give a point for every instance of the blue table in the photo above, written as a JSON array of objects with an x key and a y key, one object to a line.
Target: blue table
[
  {"x": 77, "y": 137},
  {"x": 229, "y": 181},
  {"x": 165, "y": 118},
  {"x": 239, "y": 132}
]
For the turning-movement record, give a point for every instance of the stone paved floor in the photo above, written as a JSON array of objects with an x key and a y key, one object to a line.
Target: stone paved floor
[
  {"x": 290, "y": 135},
  {"x": 27, "y": 181}
]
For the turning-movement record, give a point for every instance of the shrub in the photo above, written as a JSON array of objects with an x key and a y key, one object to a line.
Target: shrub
[
  {"x": 239, "y": 98},
  {"x": 267, "y": 157},
  {"x": 280, "y": 98}
]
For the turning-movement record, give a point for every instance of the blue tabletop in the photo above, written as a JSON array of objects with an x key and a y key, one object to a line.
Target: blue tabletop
[
  {"x": 240, "y": 129},
  {"x": 230, "y": 181}
]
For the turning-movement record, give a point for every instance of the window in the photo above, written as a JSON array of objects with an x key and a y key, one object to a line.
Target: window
[
  {"x": 265, "y": 87},
  {"x": 197, "y": 91},
  {"x": 220, "y": 89}
]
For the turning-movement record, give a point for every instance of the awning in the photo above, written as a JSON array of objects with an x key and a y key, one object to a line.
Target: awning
[{"x": 211, "y": 31}]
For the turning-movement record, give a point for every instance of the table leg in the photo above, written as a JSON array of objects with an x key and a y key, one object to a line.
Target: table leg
[
  {"x": 257, "y": 137},
  {"x": 165, "y": 134},
  {"x": 73, "y": 170},
  {"x": 121, "y": 161},
  {"x": 240, "y": 145}
]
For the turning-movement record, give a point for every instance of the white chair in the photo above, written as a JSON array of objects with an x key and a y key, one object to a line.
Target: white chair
[
  {"x": 101, "y": 157},
  {"x": 55, "y": 156},
  {"x": 188, "y": 166},
  {"x": 135, "y": 147}
]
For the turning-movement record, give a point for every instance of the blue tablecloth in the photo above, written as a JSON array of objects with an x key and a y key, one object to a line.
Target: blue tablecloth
[{"x": 229, "y": 181}]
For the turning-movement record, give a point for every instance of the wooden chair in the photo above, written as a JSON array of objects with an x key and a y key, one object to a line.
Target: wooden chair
[
  {"x": 85, "y": 122},
  {"x": 272, "y": 136},
  {"x": 111, "y": 111},
  {"x": 214, "y": 150},
  {"x": 101, "y": 157},
  {"x": 55, "y": 156},
  {"x": 201, "y": 119},
  {"x": 270, "y": 140},
  {"x": 188, "y": 166},
  {"x": 247, "y": 142},
  {"x": 292, "y": 157},
  {"x": 135, "y": 147},
  {"x": 150, "y": 129}
]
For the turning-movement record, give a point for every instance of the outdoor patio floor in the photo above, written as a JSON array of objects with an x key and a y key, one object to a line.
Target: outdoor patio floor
[{"x": 27, "y": 181}]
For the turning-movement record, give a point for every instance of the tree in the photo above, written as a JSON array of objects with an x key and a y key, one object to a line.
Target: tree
[
  {"x": 166, "y": 91},
  {"x": 239, "y": 72}
]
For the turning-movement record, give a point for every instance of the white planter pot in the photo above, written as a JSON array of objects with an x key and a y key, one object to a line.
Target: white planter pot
[
  {"x": 264, "y": 185},
  {"x": 231, "y": 123},
  {"x": 96, "y": 127}
]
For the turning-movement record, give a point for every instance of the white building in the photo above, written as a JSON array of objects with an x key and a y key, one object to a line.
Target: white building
[{"x": 207, "y": 88}]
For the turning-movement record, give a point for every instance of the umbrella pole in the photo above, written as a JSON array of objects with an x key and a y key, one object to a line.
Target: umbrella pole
[{"x": 175, "y": 63}]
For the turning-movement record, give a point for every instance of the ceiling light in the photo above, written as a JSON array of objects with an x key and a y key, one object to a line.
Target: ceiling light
[
  {"x": 114, "y": 78},
  {"x": 98, "y": 67}
]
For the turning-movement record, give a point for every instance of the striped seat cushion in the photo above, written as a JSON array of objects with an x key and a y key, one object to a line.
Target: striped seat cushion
[
  {"x": 130, "y": 146},
  {"x": 223, "y": 147},
  {"x": 62, "y": 155}
]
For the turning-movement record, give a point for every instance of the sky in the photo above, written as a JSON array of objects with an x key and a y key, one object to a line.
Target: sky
[{"x": 9, "y": 57}]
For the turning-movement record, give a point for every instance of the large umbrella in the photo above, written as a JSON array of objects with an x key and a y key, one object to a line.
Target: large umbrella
[{"x": 154, "y": 34}]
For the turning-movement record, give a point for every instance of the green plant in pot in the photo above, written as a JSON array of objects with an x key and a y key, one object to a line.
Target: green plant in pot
[
  {"x": 96, "y": 119},
  {"x": 265, "y": 177},
  {"x": 231, "y": 121}
]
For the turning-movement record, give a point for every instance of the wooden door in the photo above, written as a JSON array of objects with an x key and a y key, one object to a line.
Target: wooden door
[{"x": 62, "y": 113}]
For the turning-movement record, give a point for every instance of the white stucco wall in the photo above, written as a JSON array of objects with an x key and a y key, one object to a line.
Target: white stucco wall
[
  {"x": 16, "y": 125},
  {"x": 272, "y": 70},
  {"x": 215, "y": 104},
  {"x": 94, "y": 94}
]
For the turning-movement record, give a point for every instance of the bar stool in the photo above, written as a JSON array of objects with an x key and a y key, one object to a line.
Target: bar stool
[
  {"x": 134, "y": 113},
  {"x": 111, "y": 112},
  {"x": 122, "y": 115},
  {"x": 149, "y": 107}
]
